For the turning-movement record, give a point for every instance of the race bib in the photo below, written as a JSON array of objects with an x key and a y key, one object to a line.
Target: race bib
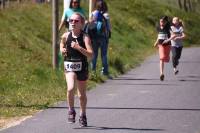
[
  {"x": 162, "y": 36},
  {"x": 72, "y": 66}
]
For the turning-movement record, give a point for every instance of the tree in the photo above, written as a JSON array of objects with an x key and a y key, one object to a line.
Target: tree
[
  {"x": 190, "y": 5},
  {"x": 180, "y": 4},
  {"x": 2, "y": 4},
  {"x": 185, "y": 5}
]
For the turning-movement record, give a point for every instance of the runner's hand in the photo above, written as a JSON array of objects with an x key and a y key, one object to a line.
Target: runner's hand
[
  {"x": 165, "y": 41},
  {"x": 155, "y": 44},
  {"x": 63, "y": 51},
  {"x": 75, "y": 45}
]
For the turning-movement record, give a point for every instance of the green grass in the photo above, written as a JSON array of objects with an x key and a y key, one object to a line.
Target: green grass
[{"x": 27, "y": 80}]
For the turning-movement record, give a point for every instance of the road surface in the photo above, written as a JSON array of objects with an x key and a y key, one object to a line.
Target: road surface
[{"x": 136, "y": 102}]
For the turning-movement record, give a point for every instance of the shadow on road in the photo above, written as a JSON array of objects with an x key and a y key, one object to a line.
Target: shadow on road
[
  {"x": 188, "y": 80},
  {"x": 131, "y": 84},
  {"x": 112, "y": 108},
  {"x": 128, "y": 78},
  {"x": 118, "y": 128},
  {"x": 143, "y": 79},
  {"x": 121, "y": 108}
]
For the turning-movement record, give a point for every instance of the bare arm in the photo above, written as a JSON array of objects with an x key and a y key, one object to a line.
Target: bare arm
[
  {"x": 171, "y": 38},
  {"x": 88, "y": 45},
  {"x": 63, "y": 50},
  {"x": 180, "y": 37},
  {"x": 156, "y": 43}
]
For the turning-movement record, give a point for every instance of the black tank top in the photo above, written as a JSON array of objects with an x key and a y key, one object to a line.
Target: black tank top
[{"x": 73, "y": 54}]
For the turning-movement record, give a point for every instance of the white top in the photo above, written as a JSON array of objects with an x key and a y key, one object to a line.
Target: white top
[{"x": 179, "y": 32}]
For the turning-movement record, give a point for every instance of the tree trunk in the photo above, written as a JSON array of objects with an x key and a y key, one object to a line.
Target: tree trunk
[
  {"x": 8, "y": 3},
  {"x": 185, "y": 6},
  {"x": 190, "y": 5},
  {"x": 180, "y": 4},
  {"x": 55, "y": 45},
  {"x": 3, "y": 4}
]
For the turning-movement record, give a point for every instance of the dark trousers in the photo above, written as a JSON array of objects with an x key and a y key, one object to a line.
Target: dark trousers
[
  {"x": 176, "y": 55},
  {"x": 103, "y": 45}
]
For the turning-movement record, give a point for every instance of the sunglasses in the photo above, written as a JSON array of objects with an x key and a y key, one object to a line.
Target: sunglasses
[{"x": 73, "y": 20}]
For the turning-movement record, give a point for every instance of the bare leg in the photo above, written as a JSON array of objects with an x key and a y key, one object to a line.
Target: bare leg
[
  {"x": 82, "y": 96},
  {"x": 161, "y": 67},
  {"x": 70, "y": 79},
  {"x": 162, "y": 70}
]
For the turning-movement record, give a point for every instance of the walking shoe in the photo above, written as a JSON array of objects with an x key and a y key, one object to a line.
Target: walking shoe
[
  {"x": 107, "y": 75},
  {"x": 162, "y": 77},
  {"x": 83, "y": 121},
  {"x": 176, "y": 72},
  {"x": 71, "y": 116}
]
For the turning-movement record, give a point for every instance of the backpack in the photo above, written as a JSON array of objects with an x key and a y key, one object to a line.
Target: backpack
[{"x": 97, "y": 28}]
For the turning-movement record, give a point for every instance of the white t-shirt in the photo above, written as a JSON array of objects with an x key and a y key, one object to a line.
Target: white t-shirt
[{"x": 177, "y": 31}]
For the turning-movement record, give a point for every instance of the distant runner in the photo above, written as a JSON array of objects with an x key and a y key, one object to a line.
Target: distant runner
[
  {"x": 163, "y": 43},
  {"x": 177, "y": 42}
]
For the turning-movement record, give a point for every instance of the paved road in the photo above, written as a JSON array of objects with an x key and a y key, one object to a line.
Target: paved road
[{"x": 136, "y": 102}]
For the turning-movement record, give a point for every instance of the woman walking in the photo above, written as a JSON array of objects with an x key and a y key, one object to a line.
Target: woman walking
[
  {"x": 73, "y": 7},
  {"x": 100, "y": 33}
]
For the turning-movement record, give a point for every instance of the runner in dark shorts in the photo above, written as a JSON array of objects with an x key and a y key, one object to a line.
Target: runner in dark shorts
[{"x": 76, "y": 48}]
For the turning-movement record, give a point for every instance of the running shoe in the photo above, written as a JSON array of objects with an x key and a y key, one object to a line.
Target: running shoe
[
  {"x": 71, "y": 116},
  {"x": 162, "y": 77},
  {"x": 176, "y": 72},
  {"x": 83, "y": 121}
]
